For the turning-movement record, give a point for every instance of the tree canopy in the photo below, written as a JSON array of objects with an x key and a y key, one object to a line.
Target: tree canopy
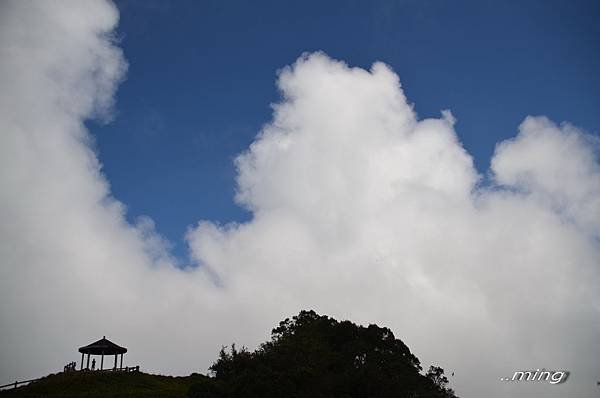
[{"x": 313, "y": 355}]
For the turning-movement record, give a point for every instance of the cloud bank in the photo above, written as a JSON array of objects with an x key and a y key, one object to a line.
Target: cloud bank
[{"x": 360, "y": 210}]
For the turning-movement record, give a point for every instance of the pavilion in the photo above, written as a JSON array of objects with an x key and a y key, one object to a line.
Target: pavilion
[{"x": 102, "y": 347}]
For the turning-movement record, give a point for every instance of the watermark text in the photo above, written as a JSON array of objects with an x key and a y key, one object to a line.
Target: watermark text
[{"x": 543, "y": 375}]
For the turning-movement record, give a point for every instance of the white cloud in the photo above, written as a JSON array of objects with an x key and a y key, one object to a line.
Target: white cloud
[
  {"x": 558, "y": 165},
  {"x": 361, "y": 211}
]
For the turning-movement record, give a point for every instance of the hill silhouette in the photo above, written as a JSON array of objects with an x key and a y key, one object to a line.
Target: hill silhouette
[
  {"x": 313, "y": 355},
  {"x": 105, "y": 385},
  {"x": 309, "y": 355}
]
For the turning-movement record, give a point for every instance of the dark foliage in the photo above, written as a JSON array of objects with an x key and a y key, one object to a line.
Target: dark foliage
[
  {"x": 106, "y": 385},
  {"x": 316, "y": 356}
]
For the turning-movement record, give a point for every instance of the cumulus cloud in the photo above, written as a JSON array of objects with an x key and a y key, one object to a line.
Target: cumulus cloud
[
  {"x": 72, "y": 268},
  {"x": 360, "y": 210}
]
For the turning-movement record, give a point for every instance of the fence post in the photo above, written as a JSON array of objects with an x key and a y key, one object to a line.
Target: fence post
[{"x": 16, "y": 382}]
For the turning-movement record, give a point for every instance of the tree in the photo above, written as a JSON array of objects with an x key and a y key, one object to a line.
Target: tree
[
  {"x": 312, "y": 355},
  {"x": 437, "y": 377}
]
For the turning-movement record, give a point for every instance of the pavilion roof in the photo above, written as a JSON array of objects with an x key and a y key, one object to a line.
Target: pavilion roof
[{"x": 103, "y": 347}]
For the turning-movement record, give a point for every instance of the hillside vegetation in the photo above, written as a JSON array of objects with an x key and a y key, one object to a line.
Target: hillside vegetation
[
  {"x": 105, "y": 385},
  {"x": 309, "y": 355}
]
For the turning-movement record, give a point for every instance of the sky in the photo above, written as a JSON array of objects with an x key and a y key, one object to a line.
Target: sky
[
  {"x": 201, "y": 81},
  {"x": 181, "y": 176}
]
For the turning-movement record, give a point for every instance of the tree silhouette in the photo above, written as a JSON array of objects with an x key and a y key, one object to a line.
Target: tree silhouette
[
  {"x": 313, "y": 355},
  {"x": 436, "y": 375}
]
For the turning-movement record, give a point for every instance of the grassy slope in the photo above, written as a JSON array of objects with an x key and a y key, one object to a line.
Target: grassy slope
[{"x": 105, "y": 385}]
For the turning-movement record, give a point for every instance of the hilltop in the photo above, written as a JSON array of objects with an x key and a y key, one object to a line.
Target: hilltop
[
  {"x": 105, "y": 385},
  {"x": 310, "y": 355}
]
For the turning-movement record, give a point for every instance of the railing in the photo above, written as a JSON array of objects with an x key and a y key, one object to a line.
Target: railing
[
  {"x": 17, "y": 383},
  {"x": 123, "y": 369}
]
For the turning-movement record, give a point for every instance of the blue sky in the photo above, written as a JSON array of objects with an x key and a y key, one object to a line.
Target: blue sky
[{"x": 202, "y": 77}]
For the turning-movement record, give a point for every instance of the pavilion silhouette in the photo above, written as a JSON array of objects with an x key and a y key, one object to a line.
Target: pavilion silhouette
[{"x": 102, "y": 347}]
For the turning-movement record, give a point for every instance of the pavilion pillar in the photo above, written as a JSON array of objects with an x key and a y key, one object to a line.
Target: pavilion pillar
[
  {"x": 115, "y": 367},
  {"x": 82, "y": 354},
  {"x": 102, "y": 361},
  {"x": 87, "y": 366},
  {"x": 121, "y": 362}
]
